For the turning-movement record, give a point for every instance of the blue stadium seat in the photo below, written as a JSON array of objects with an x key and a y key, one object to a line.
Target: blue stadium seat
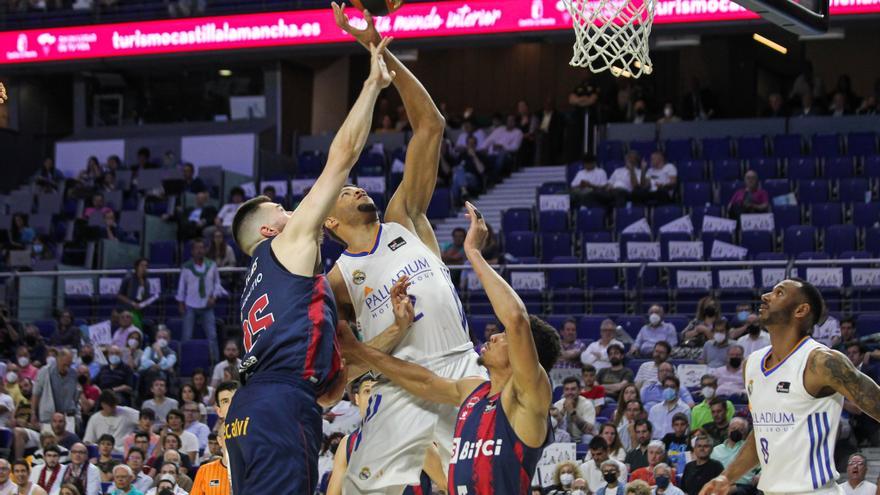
[
  {"x": 80, "y": 306},
  {"x": 609, "y": 150},
  {"x": 716, "y": 148},
  {"x": 861, "y": 143},
  {"x": 441, "y": 203},
  {"x": 46, "y": 327},
  {"x": 787, "y": 145},
  {"x": 607, "y": 301},
  {"x": 757, "y": 242},
  {"x": 533, "y": 300},
  {"x": 696, "y": 194},
  {"x": 520, "y": 243},
  {"x": 826, "y": 214},
  {"x": 865, "y": 214},
  {"x": 731, "y": 298},
  {"x": 591, "y": 220},
  {"x": 751, "y": 147},
  {"x": 478, "y": 303},
  {"x": 554, "y": 245},
  {"x": 852, "y": 189},
  {"x": 668, "y": 237},
  {"x": 812, "y": 191},
  {"x": 872, "y": 166},
  {"x": 840, "y": 239},
  {"x": 194, "y": 354},
  {"x": 766, "y": 168},
  {"x": 588, "y": 326},
  {"x": 633, "y": 237},
  {"x": 624, "y": 217},
  {"x": 175, "y": 326},
  {"x": 553, "y": 221},
  {"x": 786, "y": 216},
  {"x": 564, "y": 278},
  {"x": 310, "y": 164},
  {"x": 554, "y": 187},
  {"x": 678, "y": 150},
  {"x": 598, "y": 237},
  {"x": 665, "y": 214},
  {"x": 698, "y": 212},
  {"x": 839, "y": 167},
  {"x": 687, "y": 300},
  {"x": 710, "y": 237},
  {"x": 572, "y": 300},
  {"x": 571, "y": 170},
  {"x": 726, "y": 190},
  {"x": 601, "y": 278},
  {"x": 726, "y": 170},
  {"x": 163, "y": 254},
  {"x": 644, "y": 148},
  {"x": 691, "y": 170},
  {"x": 802, "y": 167},
  {"x": 798, "y": 239},
  {"x": 777, "y": 187},
  {"x": 826, "y": 145},
  {"x": 872, "y": 240},
  {"x": 516, "y": 219}
]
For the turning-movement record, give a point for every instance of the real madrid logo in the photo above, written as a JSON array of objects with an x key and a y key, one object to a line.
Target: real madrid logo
[
  {"x": 750, "y": 386},
  {"x": 358, "y": 277},
  {"x": 365, "y": 473}
]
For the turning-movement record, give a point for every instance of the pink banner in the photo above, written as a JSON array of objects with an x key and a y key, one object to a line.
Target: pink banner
[{"x": 418, "y": 20}]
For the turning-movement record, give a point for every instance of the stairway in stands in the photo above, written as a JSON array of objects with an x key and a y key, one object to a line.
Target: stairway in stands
[{"x": 517, "y": 191}]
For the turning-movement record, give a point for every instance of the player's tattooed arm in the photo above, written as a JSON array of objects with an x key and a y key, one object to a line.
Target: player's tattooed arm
[
  {"x": 745, "y": 461},
  {"x": 830, "y": 371}
]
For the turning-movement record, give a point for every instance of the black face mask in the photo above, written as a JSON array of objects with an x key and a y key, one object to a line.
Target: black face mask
[
  {"x": 735, "y": 362},
  {"x": 609, "y": 477},
  {"x": 82, "y": 379},
  {"x": 736, "y": 436},
  {"x": 87, "y": 359},
  {"x": 754, "y": 330},
  {"x": 710, "y": 311}
]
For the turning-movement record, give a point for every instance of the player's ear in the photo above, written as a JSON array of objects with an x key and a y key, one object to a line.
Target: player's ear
[
  {"x": 268, "y": 231},
  {"x": 802, "y": 310},
  {"x": 330, "y": 223}
]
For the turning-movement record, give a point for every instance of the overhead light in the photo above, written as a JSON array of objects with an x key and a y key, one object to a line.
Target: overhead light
[
  {"x": 665, "y": 42},
  {"x": 224, "y": 72},
  {"x": 770, "y": 43},
  {"x": 832, "y": 34}
]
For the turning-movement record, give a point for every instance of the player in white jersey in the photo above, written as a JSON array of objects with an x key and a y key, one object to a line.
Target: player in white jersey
[
  {"x": 796, "y": 388},
  {"x": 398, "y": 428}
]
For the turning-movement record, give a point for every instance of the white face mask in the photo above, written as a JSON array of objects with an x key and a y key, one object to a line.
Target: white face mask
[
  {"x": 553, "y": 422},
  {"x": 719, "y": 337},
  {"x": 132, "y": 342},
  {"x": 578, "y": 492},
  {"x": 566, "y": 479},
  {"x": 23, "y": 361},
  {"x": 162, "y": 343},
  {"x": 50, "y": 360},
  {"x": 654, "y": 319},
  {"x": 11, "y": 377},
  {"x": 708, "y": 392}
]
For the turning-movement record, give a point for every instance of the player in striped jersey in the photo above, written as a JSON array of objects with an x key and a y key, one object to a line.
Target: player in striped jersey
[
  {"x": 796, "y": 389},
  {"x": 503, "y": 424},
  {"x": 361, "y": 393}
]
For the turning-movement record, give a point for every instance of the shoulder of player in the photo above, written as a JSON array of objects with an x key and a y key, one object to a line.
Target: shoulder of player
[
  {"x": 828, "y": 366},
  {"x": 467, "y": 386}
]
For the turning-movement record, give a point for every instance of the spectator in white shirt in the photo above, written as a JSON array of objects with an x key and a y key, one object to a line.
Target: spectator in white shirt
[
  {"x": 661, "y": 413},
  {"x": 468, "y": 129},
  {"x": 197, "y": 292},
  {"x": 597, "y": 352},
  {"x": 661, "y": 180},
  {"x": 503, "y": 143},
  {"x": 160, "y": 404},
  {"x": 856, "y": 470},
  {"x": 126, "y": 328},
  {"x": 625, "y": 181},
  {"x": 591, "y": 470},
  {"x": 730, "y": 377},
  {"x": 191, "y": 412},
  {"x": 232, "y": 362},
  {"x": 227, "y": 212},
  {"x": 113, "y": 419},
  {"x": 827, "y": 333},
  {"x": 578, "y": 413},
  {"x": 588, "y": 185},
  {"x": 189, "y": 443},
  {"x": 755, "y": 338}
]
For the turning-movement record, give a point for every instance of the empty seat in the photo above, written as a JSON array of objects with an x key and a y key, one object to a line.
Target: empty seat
[
  {"x": 751, "y": 147},
  {"x": 691, "y": 170},
  {"x": 698, "y": 212},
  {"x": 598, "y": 236},
  {"x": 554, "y": 187},
  {"x": 826, "y": 145},
  {"x": 787, "y": 145},
  {"x": 726, "y": 170},
  {"x": 709, "y": 238},
  {"x": 553, "y": 221},
  {"x": 716, "y": 148},
  {"x": 563, "y": 278},
  {"x": 310, "y": 163},
  {"x": 591, "y": 220},
  {"x": 609, "y": 150},
  {"x": 825, "y": 214},
  {"x": 516, "y": 219},
  {"x": 665, "y": 214},
  {"x": 861, "y": 143},
  {"x": 766, "y": 168},
  {"x": 644, "y": 148},
  {"x": 872, "y": 166},
  {"x": 785, "y": 216},
  {"x": 840, "y": 238},
  {"x": 728, "y": 189},
  {"x": 194, "y": 354},
  {"x": 853, "y": 189},
  {"x": 757, "y": 242},
  {"x": 696, "y": 193},
  {"x": 798, "y": 239},
  {"x": 777, "y": 187},
  {"x": 813, "y": 191},
  {"x": 865, "y": 214},
  {"x": 677, "y": 150},
  {"x": 624, "y": 217},
  {"x": 802, "y": 167},
  {"x": 520, "y": 243},
  {"x": 163, "y": 253},
  {"x": 839, "y": 167},
  {"x": 441, "y": 203},
  {"x": 872, "y": 240},
  {"x": 588, "y": 326},
  {"x": 555, "y": 245}
]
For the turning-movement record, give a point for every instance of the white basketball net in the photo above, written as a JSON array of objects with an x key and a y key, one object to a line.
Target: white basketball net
[{"x": 612, "y": 35}]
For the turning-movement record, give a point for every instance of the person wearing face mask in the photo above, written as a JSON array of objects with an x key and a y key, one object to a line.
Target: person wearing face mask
[
  {"x": 700, "y": 329},
  {"x": 566, "y": 473},
  {"x": 656, "y": 330},
  {"x": 754, "y": 337},
  {"x": 26, "y": 368},
  {"x": 87, "y": 359},
  {"x": 158, "y": 360},
  {"x": 611, "y": 477},
  {"x": 654, "y": 393},
  {"x": 593, "y": 470},
  {"x": 660, "y": 415},
  {"x": 116, "y": 376},
  {"x": 727, "y": 451},
  {"x": 125, "y": 330},
  {"x": 715, "y": 351},
  {"x": 730, "y": 376},
  {"x": 55, "y": 389},
  {"x": 663, "y": 479},
  {"x": 701, "y": 414},
  {"x": 66, "y": 334}
]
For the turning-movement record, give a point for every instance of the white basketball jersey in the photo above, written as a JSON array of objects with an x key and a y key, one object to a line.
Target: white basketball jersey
[
  {"x": 795, "y": 432},
  {"x": 439, "y": 328}
]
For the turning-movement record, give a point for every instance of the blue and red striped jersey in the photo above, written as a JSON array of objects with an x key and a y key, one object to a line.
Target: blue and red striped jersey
[
  {"x": 487, "y": 456},
  {"x": 289, "y": 322},
  {"x": 424, "y": 486}
]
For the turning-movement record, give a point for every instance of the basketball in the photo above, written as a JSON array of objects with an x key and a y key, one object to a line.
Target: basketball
[{"x": 378, "y": 7}]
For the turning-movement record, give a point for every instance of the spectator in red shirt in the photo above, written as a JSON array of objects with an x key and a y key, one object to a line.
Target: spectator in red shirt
[
  {"x": 591, "y": 390},
  {"x": 749, "y": 199},
  {"x": 90, "y": 393}
]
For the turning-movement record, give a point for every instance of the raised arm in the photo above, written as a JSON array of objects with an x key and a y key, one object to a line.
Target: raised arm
[
  {"x": 830, "y": 371},
  {"x": 410, "y": 202},
  {"x": 530, "y": 381},
  {"x": 745, "y": 461}
]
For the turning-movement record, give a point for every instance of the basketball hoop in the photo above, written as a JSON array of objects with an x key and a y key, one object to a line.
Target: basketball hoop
[{"x": 612, "y": 35}]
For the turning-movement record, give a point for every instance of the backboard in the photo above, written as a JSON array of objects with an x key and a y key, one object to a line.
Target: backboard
[{"x": 798, "y": 16}]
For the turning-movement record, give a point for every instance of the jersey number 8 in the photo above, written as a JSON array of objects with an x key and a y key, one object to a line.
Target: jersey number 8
[{"x": 255, "y": 323}]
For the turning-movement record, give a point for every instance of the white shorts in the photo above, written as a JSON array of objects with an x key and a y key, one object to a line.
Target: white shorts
[{"x": 398, "y": 429}]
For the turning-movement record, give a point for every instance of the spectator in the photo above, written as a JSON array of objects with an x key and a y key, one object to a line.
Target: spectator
[
  {"x": 143, "y": 438},
  {"x": 125, "y": 330},
  {"x": 82, "y": 474},
  {"x": 7, "y": 406},
  {"x": 214, "y": 451},
  {"x": 189, "y": 444},
  {"x": 754, "y": 337},
  {"x": 64, "y": 438},
  {"x": 637, "y": 458},
  {"x": 135, "y": 460},
  {"x": 596, "y": 354},
  {"x": 21, "y": 472},
  {"x": 591, "y": 390},
  {"x": 10, "y": 333},
  {"x": 192, "y": 424},
  {"x": 193, "y": 220},
  {"x": 112, "y": 419},
  {"x": 808, "y": 107},
  {"x": 702, "y": 412},
  {"x": 158, "y": 360},
  {"x": 647, "y": 373},
  {"x": 588, "y": 185},
  {"x": 731, "y": 382},
  {"x": 220, "y": 251},
  {"x": 583, "y": 118},
  {"x": 231, "y": 363},
  {"x": 593, "y": 471},
  {"x": 625, "y": 180},
  {"x": 615, "y": 448},
  {"x": 750, "y": 199},
  {"x": 715, "y": 351},
  {"x": 48, "y": 475},
  {"x": 386, "y": 125},
  {"x": 193, "y": 184},
  {"x": 105, "y": 460},
  {"x": 551, "y": 128},
  {"x": 617, "y": 376},
  {"x": 727, "y": 451},
  {"x": 611, "y": 476},
  {"x": 864, "y": 428},
  {"x": 188, "y": 393},
  {"x": 48, "y": 179},
  {"x": 718, "y": 428},
  {"x": 669, "y": 115},
  {"x": 656, "y": 330},
  {"x": 632, "y": 412},
  {"x": 660, "y": 181},
  {"x": 90, "y": 176},
  {"x": 663, "y": 476},
  {"x": 828, "y": 333},
  {"x": 572, "y": 347},
  {"x": 839, "y": 106},
  {"x": 656, "y": 453},
  {"x": 563, "y": 478},
  {"x": 578, "y": 413},
  {"x": 701, "y": 328},
  {"x": 468, "y": 130},
  {"x": 34, "y": 349},
  {"x": 123, "y": 477},
  {"x": 55, "y": 389},
  {"x": 856, "y": 469},
  {"x": 166, "y": 484},
  {"x": 48, "y": 439},
  {"x": 197, "y": 292},
  {"x": 132, "y": 352},
  {"x": 807, "y": 83},
  {"x": 702, "y": 469},
  {"x": 654, "y": 393},
  {"x": 90, "y": 393},
  {"x": 776, "y": 107},
  {"x": 135, "y": 292},
  {"x": 638, "y": 487},
  {"x": 677, "y": 442},
  {"x": 116, "y": 376},
  {"x": 169, "y": 473},
  {"x": 200, "y": 384},
  {"x": 847, "y": 333},
  {"x": 108, "y": 182},
  {"x": 504, "y": 140},
  {"x": 66, "y": 334},
  {"x": 469, "y": 174},
  {"x": 558, "y": 424},
  {"x": 160, "y": 404},
  {"x": 20, "y": 234},
  {"x": 97, "y": 207},
  {"x": 492, "y": 249},
  {"x": 660, "y": 414},
  {"x": 224, "y": 217},
  {"x": 453, "y": 253}
]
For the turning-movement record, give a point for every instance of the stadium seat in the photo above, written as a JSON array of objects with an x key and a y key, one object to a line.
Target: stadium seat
[
  {"x": 571, "y": 300},
  {"x": 634, "y": 237},
  {"x": 726, "y": 190},
  {"x": 441, "y": 203},
  {"x": 798, "y": 239},
  {"x": 644, "y": 148},
  {"x": 766, "y": 168},
  {"x": 665, "y": 214},
  {"x": 696, "y": 194},
  {"x": 787, "y": 145},
  {"x": 624, "y": 217},
  {"x": 726, "y": 170},
  {"x": 751, "y": 147},
  {"x": 591, "y": 220},
  {"x": 802, "y": 167},
  {"x": 826, "y": 145},
  {"x": 677, "y": 150},
  {"x": 840, "y": 239},
  {"x": 163, "y": 254},
  {"x": 852, "y": 189},
  {"x": 861, "y": 143},
  {"x": 716, "y": 148},
  {"x": 698, "y": 212},
  {"x": 310, "y": 164},
  {"x": 194, "y": 354},
  {"x": 553, "y": 221},
  {"x": 609, "y": 150},
  {"x": 825, "y": 214},
  {"x": 516, "y": 219},
  {"x": 554, "y": 245},
  {"x": 598, "y": 237},
  {"x": 588, "y": 326},
  {"x": 872, "y": 166},
  {"x": 691, "y": 170},
  {"x": 520, "y": 243},
  {"x": 786, "y": 216},
  {"x": 554, "y": 187},
  {"x": 777, "y": 187},
  {"x": 872, "y": 240},
  {"x": 757, "y": 242},
  {"x": 710, "y": 237},
  {"x": 812, "y": 191},
  {"x": 563, "y": 278},
  {"x": 865, "y": 214},
  {"x": 839, "y": 167}
]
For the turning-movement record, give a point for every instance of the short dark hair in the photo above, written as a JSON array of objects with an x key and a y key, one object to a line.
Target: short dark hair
[
  {"x": 459, "y": 229},
  {"x": 679, "y": 416},
  {"x": 175, "y": 412},
  {"x": 245, "y": 211},
  {"x": 21, "y": 462},
  {"x": 230, "y": 386},
  {"x": 106, "y": 437},
  {"x": 814, "y": 298},
  {"x": 54, "y": 448},
  {"x": 709, "y": 377},
  {"x": 674, "y": 379},
  {"x": 138, "y": 450},
  {"x": 848, "y": 319},
  {"x": 144, "y": 152},
  {"x": 236, "y": 190},
  {"x": 588, "y": 368},
  {"x": 141, "y": 434},
  {"x": 147, "y": 413},
  {"x": 212, "y": 436},
  {"x": 547, "y": 342},
  {"x": 855, "y": 343},
  {"x": 598, "y": 443},
  {"x": 718, "y": 401},
  {"x": 640, "y": 422},
  {"x": 108, "y": 397},
  {"x": 571, "y": 379},
  {"x": 615, "y": 346},
  {"x": 665, "y": 344}
]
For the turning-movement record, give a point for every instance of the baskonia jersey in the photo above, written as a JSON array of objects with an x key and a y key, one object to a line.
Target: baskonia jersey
[
  {"x": 487, "y": 456},
  {"x": 795, "y": 432},
  {"x": 289, "y": 322}
]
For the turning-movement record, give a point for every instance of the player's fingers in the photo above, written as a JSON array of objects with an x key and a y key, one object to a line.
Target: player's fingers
[
  {"x": 385, "y": 42},
  {"x": 368, "y": 17}
]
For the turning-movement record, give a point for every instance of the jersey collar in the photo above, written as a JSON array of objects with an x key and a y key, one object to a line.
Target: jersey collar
[{"x": 371, "y": 251}]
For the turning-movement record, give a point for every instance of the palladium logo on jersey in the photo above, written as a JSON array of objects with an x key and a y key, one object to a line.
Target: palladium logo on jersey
[
  {"x": 377, "y": 299},
  {"x": 776, "y": 421}
]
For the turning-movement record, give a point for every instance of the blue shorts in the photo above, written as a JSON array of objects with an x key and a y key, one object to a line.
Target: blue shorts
[{"x": 273, "y": 436}]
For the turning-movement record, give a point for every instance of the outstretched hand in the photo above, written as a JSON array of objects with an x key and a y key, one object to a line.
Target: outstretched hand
[
  {"x": 378, "y": 70},
  {"x": 3, "y": 95},
  {"x": 366, "y": 36},
  {"x": 716, "y": 486},
  {"x": 404, "y": 313},
  {"x": 478, "y": 231}
]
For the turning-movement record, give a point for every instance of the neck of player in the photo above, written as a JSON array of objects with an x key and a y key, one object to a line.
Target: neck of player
[
  {"x": 360, "y": 237},
  {"x": 499, "y": 379},
  {"x": 783, "y": 340}
]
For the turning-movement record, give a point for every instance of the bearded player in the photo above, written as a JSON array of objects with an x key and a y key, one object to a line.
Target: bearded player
[
  {"x": 796, "y": 388},
  {"x": 396, "y": 435},
  {"x": 502, "y": 425},
  {"x": 292, "y": 364}
]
